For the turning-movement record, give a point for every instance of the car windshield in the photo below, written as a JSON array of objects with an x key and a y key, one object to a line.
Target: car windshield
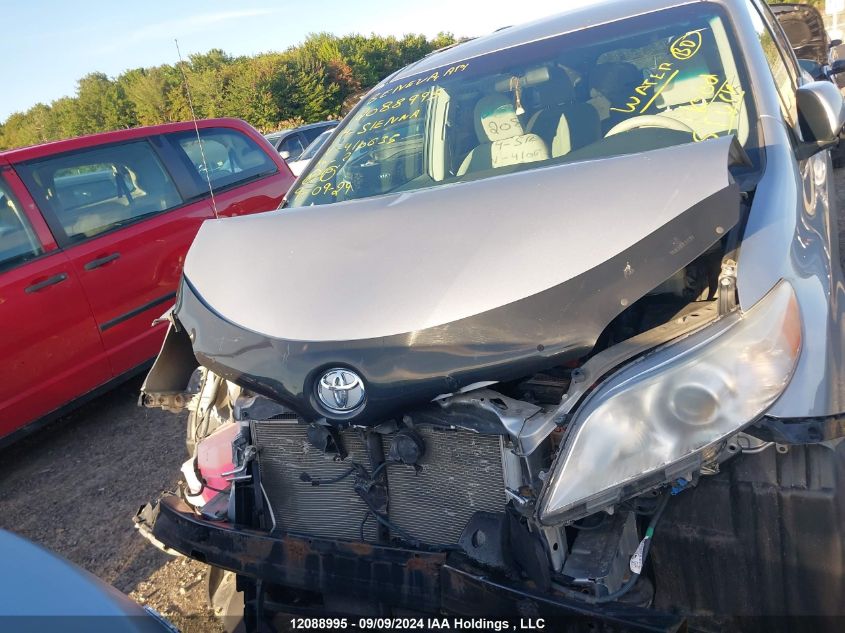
[
  {"x": 315, "y": 146},
  {"x": 651, "y": 81}
]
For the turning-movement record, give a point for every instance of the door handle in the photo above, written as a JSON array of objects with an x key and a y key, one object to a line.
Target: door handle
[
  {"x": 101, "y": 261},
  {"x": 50, "y": 281}
]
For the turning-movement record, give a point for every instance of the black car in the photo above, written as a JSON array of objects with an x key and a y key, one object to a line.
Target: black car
[{"x": 291, "y": 143}]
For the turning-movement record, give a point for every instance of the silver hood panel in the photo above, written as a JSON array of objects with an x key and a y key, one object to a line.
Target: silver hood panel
[{"x": 408, "y": 262}]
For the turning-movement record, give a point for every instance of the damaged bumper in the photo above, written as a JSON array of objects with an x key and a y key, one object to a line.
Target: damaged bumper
[{"x": 427, "y": 582}]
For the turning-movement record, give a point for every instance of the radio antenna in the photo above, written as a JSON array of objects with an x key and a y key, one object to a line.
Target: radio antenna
[{"x": 196, "y": 129}]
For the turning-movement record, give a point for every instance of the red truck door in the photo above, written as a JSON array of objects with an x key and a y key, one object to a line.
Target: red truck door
[
  {"x": 50, "y": 348},
  {"x": 123, "y": 223}
]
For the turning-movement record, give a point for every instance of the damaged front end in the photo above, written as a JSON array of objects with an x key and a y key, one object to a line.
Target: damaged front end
[{"x": 376, "y": 455}]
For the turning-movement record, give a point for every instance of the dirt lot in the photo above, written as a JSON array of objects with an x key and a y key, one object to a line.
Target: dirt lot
[{"x": 75, "y": 486}]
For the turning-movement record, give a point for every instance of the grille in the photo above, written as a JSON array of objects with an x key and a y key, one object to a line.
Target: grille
[{"x": 461, "y": 474}]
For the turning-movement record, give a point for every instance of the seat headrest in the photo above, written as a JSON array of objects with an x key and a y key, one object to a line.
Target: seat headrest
[
  {"x": 557, "y": 90},
  {"x": 615, "y": 78},
  {"x": 496, "y": 119}
]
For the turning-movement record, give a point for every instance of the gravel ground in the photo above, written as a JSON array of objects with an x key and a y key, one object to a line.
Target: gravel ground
[{"x": 75, "y": 486}]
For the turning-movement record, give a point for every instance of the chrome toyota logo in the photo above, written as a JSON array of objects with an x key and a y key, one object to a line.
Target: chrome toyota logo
[{"x": 340, "y": 390}]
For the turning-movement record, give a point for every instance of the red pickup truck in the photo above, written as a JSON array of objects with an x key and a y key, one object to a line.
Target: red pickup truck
[{"x": 93, "y": 236}]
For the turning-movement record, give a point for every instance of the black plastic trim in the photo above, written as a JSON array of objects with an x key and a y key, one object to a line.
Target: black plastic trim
[
  {"x": 799, "y": 430},
  {"x": 133, "y": 313}
]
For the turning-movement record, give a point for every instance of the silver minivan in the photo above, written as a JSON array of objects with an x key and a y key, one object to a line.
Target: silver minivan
[{"x": 550, "y": 329}]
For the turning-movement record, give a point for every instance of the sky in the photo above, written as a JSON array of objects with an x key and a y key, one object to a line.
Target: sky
[{"x": 47, "y": 45}]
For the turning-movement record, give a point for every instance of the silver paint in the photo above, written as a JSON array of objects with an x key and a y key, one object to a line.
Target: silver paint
[
  {"x": 433, "y": 256},
  {"x": 791, "y": 234}
]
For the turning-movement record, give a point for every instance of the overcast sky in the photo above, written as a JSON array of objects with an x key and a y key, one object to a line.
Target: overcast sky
[{"x": 47, "y": 45}]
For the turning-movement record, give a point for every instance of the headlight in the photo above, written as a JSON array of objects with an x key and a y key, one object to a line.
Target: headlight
[{"x": 651, "y": 421}]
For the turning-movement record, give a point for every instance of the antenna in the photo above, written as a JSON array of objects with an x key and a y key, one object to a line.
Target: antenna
[{"x": 197, "y": 129}]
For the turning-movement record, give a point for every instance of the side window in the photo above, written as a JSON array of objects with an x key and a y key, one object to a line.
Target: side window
[
  {"x": 780, "y": 64},
  {"x": 86, "y": 193},
  {"x": 224, "y": 157},
  {"x": 312, "y": 133},
  {"x": 786, "y": 50},
  {"x": 18, "y": 242},
  {"x": 292, "y": 145}
]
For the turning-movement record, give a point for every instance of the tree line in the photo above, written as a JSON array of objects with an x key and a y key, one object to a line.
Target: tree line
[{"x": 316, "y": 80}]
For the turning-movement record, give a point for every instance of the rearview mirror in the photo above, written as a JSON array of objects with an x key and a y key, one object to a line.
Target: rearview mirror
[
  {"x": 821, "y": 113},
  {"x": 284, "y": 154},
  {"x": 835, "y": 43}
]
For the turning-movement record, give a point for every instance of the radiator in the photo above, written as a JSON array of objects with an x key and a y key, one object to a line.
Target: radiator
[
  {"x": 334, "y": 510},
  {"x": 461, "y": 474}
]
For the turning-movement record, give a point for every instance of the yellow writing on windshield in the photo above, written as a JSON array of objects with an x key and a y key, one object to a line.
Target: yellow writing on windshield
[
  {"x": 328, "y": 189},
  {"x": 452, "y": 70},
  {"x": 395, "y": 104},
  {"x": 651, "y": 87},
  {"x": 718, "y": 108},
  {"x": 686, "y": 46}
]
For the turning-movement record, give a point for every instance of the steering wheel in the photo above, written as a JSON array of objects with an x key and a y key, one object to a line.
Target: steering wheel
[{"x": 649, "y": 120}]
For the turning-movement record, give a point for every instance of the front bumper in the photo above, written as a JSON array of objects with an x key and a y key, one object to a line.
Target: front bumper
[{"x": 427, "y": 582}]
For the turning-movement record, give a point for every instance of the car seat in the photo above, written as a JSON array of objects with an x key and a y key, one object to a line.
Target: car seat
[
  {"x": 562, "y": 122},
  {"x": 611, "y": 85},
  {"x": 503, "y": 141}
]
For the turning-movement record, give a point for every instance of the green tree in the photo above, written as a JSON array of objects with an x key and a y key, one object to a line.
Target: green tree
[
  {"x": 322, "y": 77},
  {"x": 146, "y": 89},
  {"x": 101, "y": 105}
]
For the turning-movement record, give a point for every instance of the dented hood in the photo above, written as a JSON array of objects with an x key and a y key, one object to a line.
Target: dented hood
[{"x": 427, "y": 291}]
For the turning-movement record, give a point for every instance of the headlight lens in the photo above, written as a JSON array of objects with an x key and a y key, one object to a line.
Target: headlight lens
[{"x": 652, "y": 420}]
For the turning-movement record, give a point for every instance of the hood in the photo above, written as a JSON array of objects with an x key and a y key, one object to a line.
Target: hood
[
  {"x": 805, "y": 30},
  {"x": 48, "y": 593},
  {"x": 425, "y": 292}
]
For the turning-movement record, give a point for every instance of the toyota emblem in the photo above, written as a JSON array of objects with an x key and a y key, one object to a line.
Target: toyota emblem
[{"x": 340, "y": 390}]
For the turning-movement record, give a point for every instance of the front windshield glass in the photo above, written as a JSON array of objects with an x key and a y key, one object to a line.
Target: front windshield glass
[{"x": 660, "y": 79}]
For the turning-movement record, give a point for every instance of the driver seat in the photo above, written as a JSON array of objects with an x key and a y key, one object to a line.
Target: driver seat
[
  {"x": 611, "y": 85},
  {"x": 503, "y": 141}
]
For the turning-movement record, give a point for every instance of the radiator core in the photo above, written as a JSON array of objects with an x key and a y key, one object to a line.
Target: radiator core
[{"x": 461, "y": 473}]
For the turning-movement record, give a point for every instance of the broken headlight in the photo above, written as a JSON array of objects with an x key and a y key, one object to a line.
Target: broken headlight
[{"x": 654, "y": 420}]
